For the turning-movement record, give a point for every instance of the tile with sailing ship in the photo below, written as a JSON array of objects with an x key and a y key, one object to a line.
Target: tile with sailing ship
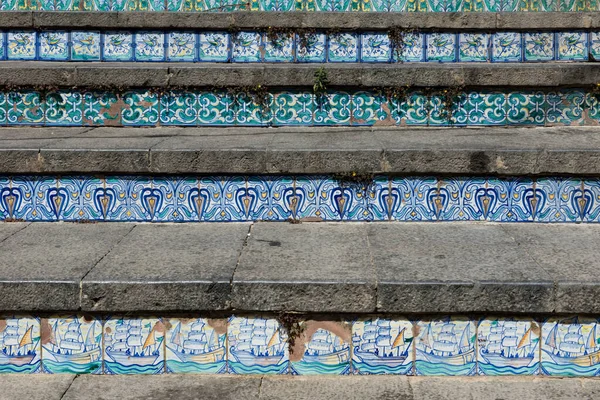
[
  {"x": 196, "y": 345},
  {"x": 133, "y": 346},
  {"x": 382, "y": 346},
  {"x": 256, "y": 346},
  {"x": 322, "y": 348},
  {"x": 72, "y": 344},
  {"x": 508, "y": 346},
  {"x": 19, "y": 344},
  {"x": 445, "y": 346},
  {"x": 570, "y": 347}
]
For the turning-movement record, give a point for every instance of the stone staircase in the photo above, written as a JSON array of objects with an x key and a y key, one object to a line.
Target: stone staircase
[{"x": 241, "y": 190}]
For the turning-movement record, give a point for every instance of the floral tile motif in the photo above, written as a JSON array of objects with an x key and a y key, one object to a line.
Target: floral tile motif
[
  {"x": 20, "y": 350},
  {"x": 196, "y": 345},
  {"x": 506, "y": 47},
  {"x": 508, "y": 346},
  {"x": 562, "y": 200},
  {"x": 72, "y": 344},
  {"x": 85, "y": 46},
  {"x": 64, "y": 108},
  {"x": 279, "y": 47},
  {"x": 53, "y": 46},
  {"x": 461, "y": 199},
  {"x": 413, "y": 48},
  {"x": 118, "y": 46},
  {"x": 512, "y": 200},
  {"x": 501, "y": 5},
  {"x": 270, "y": 198},
  {"x": 224, "y": 199},
  {"x": 2, "y": 46},
  {"x": 129, "y": 199},
  {"x": 181, "y": 46},
  {"x": 133, "y": 346},
  {"x": 85, "y": 198},
  {"x": 322, "y": 348},
  {"x": 570, "y": 347},
  {"x": 310, "y": 47},
  {"x": 20, "y": 45},
  {"x": 572, "y": 46},
  {"x": 413, "y": 199},
  {"x": 441, "y": 47},
  {"x": 388, "y": 5},
  {"x": 213, "y": 46},
  {"x": 376, "y": 47},
  {"x": 181, "y": 199},
  {"x": 473, "y": 47},
  {"x": 149, "y": 46},
  {"x": 382, "y": 346},
  {"x": 591, "y": 196},
  {"x": 538, "y": 46},
  {"x": 246, "y": 47},
  {"x": 343, "y": 47},
  {"x": 319, "y": 197},
  {"x": 445, "y": 346},
  {"x": 382, "y": 200},
  {"x": 31, "y": 198},
  {"x": 293, "y": 108},
  {"x": 256, "y": 346}
]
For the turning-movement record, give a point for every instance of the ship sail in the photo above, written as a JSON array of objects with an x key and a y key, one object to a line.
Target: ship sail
[
  {"x": 27, "y": 337},
  {"x": 176, "y": 335},
  {"x": 552, "y": 337},
  {"x": 591, "y": 342}
]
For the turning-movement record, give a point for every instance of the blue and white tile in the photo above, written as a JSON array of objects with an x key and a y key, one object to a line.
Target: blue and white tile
[
  {"x": 512, "y": 200},
  {"x": 323, "y": 348},
  {"x": 318, "y": 197},
  {"x": 413, "y": 48},
  {"x": 570, "y": 347},
  {"x": 129, "y": 199},
  {"x": 506, "y": 47},
  {"x": 33, "y": 198},
  {"x": 566, "y": 107},
  {"x": 382, "y": 346},
  {"x": 182, "y": 199},
  {"x": 20, "y": 45},
  {"x": 538, "y": 46},
  {"x": 383, "y": 199},
  {"x": 473, "y": 47},
  {"x": 311, "y": 47},
  {"x": 2, "y": 47},
  {"x": 227, "y": 196},
  {"x": 591, "y": 196},
  {"x": 213, "y": 46},
  {"x": 376, "y": 47},
  {"x": 563, "y": 200},
  {"x": 86, "y": 198},
  {"x": 149, "y": 46},
  {"x": 572, "y": 46},
  {"x": 133, "y": 346},
  {"x": 196, "y": 345},
  {"x": 459, "y": 199},
  {"x": 441, "y": 47},
  {"x": 595, "y": 45},
  {"x": 273, "y": 197},
  {"x": 256, "y": 345},
  {"x": 246, "y": 47},
  {"x": 7, "y": 198},
  {"x": 343, "y": 47},
  {"x": 85, "y": 46},
  {"x": 53, "y": 46},
  {"x": 445, "y": 346},
  {"x": 414, "y": 199},
  {"x": 279, "y": 48},
  {"x": 118, "y": 46},
  {"x": 508, "y": 346},
  {"x": 20, "y": 349},
  {"x": 181, "y": 46},
  {"x": 72, "y": 344}
]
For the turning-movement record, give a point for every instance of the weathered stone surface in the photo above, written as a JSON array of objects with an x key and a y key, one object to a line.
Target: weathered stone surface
[
  {"x": 35, "y": 386},
  {"x": 167, "y": 267},
  {"x": 306, "y": 267}
]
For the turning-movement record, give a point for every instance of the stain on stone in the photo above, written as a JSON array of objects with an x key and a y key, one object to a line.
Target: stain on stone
[{"x": 479, "y": 162}]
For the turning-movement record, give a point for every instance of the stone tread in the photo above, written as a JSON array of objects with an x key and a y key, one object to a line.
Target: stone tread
[
  {"x": 469, "y": 151},
  {"x": 207, "y": 387},
  {"x": 308, "y": 267}
]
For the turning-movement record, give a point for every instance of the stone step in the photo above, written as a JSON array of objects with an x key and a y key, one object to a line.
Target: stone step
[
  {"x": 309, "y": 267},
  {"x": 188, "y": 387},
  {"x": 514, "y": 151}
]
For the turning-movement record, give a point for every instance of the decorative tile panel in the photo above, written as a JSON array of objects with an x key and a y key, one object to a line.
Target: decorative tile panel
[
  {"x": 376, "y": 47},
  {"x": 213, "y": 46},
  {"x": 133, "y": 346},
  {"x": 53, "y": 46},
  {"x": 572, "y": 46},
  {"x": 20, "y": 45},
  {"x": 311, "y": 47},
  {"x": 118, "y": 46},
  {"x": 150, "y": 46},
  {"x": 538, "y": 46},
  {"x": 181, "y": 46},
  {"x": 413, "y": 48},
  {"x": 279, "y": 47},
  {"x": 246, "y": 47},
  {"x": 473, "y": 47},
  {"x": 322, "y": 348},
  {"x": 20, "y": 350},
  {"x": 506, "y": 47},
  {"x": 343, "y": 47},
  {"x": 85, "y": 46},
  {"x": 441, "y": 47}
]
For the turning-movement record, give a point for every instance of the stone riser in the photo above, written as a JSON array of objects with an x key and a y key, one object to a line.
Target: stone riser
[{"x": 412, "y": 338}]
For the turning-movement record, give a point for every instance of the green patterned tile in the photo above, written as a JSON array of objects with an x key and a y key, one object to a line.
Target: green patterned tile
[
  {"x": 64, "y": 108},
  {"x": 526, "y": 108},
  {"x": 293, "y": 108},
  {"x": 333, "y": 108},
  {"x": 102, "y": 108},
  {"x": 140, "y": 108},
  {"x": 24, "y": 108}
]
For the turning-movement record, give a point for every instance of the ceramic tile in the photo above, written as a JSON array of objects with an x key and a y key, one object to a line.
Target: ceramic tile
[
  {"x": 246, "y": 47},
  {"x": 181, "y": 46},
  {"x": 24, "y": 108},
  {"x": 561, "y": 200},
  {"x": 256, "y": 345},
  {"x": 444, "y": 6},
  {"x": 415, "y": 199},
  {"x": 293, "y": 108},
  {"x": 511, "y": 200},
  {"x": 271, "y": 198},
  {"x": 318, "y": 197},
  {"x": 461, "y": 199},
  {"x": 20, "y": 45},
  {"x": 118, "y": 46},
  {"x": 508, "y": 346},
  {"x": 279, "y": 48},
  {"x": 383, "y": 199},
  {"x": 506, "y": 47},
  {"x": 196, "y": 345},
  {"x": 485, "y": 108},
  {"x": 333, "y": 108},
  {"x": 376, "y": 47},
  {"x": 369, "y": 108},
  {"x": 64, "y": 108},
  {"x": 322, "y": 348},
  {"x": 277, "y": 5},
  {"x": 594, "y": 46},
  {"x": 591, "y": 197},
  {"x": 216, "y": 108},
  {"x": 85, "y": 46},
  {"x": 311, "y": 47},
  {"x": 7, "y": 199},
  {"x": 538, "y": 46},
  {"x": 20, "y": 349},
  {"x": 473, "y": 47},
  {"x": 333, "y": 5},
  {"x": 415, "y": 109},
  {"x": 224, "y": 198},
  {"x": 543, "y": 5},
  {"x": 179, "y": 108},
  {"x": 86, "y": 199},
  {"x": 28, "y": 198},
  {"x": 526, "y": 108},
  {"x": 149, "y": 46},
  {"x": 213, "y": 46},
  {"x": 388, "y": 5},
  {"x": 133, "y": 346},
  {"x": 445, "y": 346},
  {"x": 72, "y": 344},
  {"x": 570, "y": 347},
  {"x": 53, "y": 46},
  {"x": 180, "y": 199},
  {"x": 565, "y": 107},
  {"x": 572, "y": 46},
  {"x": 441, "y": 47},
  {"x": 101, "y": 108},
  {"x": 501, "y": 5},
  {"x": 2, "y": 47},
  {"x": 412, "y": 49},
  {"x": 130, "y": 199},
  {"x": 382, "y": 346},
  {"x": 141, "y": 107},
  {"x": 343, "y": 47}
]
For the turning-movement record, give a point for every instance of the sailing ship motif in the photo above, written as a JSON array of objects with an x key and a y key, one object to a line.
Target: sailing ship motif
[
  {"x": 504, "y": 346},
  {"x": 377, "y": 346},
  {"x": 572, "y": 347},
  {"x": 129, "y": 347},
  {"x": 17, "y": 349},
  {"x": 326, "y": 348},
  {"x": 72, "y": 347},
  {"x": 199, "y": 345},
  {"x": 445, "y": 347},
  {"x": 259, "y": 342}
]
